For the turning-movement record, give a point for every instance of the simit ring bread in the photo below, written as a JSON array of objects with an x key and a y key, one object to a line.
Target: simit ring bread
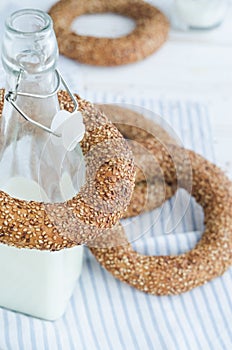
[
  {"x": 167, "y": 275},
  {"x": 150, "y": 189},
  {"x": 150, "y": 33},
  {"x": 100, "y": 203}
]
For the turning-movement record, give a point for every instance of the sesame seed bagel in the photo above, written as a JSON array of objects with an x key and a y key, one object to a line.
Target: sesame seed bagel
[
  {"x": 167, "y": 275},
  {"x": 135, "y": 127},
  {"x": 150, "y": 189},
  {"x": 101, "y": 202},
  {"x": 150, "y": 33},
  {"x": 148, "y": 196}
]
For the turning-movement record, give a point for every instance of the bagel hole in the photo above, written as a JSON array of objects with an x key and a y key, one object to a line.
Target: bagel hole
[{"x": 103, "y": 25}]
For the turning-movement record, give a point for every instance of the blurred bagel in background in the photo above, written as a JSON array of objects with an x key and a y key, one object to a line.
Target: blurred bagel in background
[{"x": 150, "y": 32}]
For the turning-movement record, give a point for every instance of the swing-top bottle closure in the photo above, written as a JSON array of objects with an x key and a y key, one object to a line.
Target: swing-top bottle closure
[
  {"x": 11, "y": 97},
  {"x": 67, "y": 134}
]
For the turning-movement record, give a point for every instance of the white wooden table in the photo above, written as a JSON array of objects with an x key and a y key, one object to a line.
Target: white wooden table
[{"x": 192, "y": 65}]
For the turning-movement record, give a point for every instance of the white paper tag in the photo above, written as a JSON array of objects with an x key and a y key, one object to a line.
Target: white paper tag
[{"x": 71, "y": 128}]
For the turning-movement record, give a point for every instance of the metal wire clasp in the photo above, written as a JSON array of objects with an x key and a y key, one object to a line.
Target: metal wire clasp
[{"x": 11, "y": 97}]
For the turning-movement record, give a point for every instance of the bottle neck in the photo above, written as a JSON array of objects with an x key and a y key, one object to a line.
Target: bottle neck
[
  {"x": 30, "y": 51},
  {"x": 42, "y": 83},
  {"x": 27, "y": 151},
  {"x": 39, "y": 110}
]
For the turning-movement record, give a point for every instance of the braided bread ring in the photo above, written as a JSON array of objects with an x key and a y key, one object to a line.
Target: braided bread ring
[
  {"x": 150, "y": 33},
  {"x": 167, "y": 275},
  {"x": 100, "y": 203}
]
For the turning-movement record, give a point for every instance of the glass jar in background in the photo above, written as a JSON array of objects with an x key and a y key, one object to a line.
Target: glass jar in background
[{"x": 199, "y": 14}]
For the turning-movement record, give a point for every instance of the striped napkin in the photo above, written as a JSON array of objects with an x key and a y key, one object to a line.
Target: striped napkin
[{"x": 106, "y": 314}]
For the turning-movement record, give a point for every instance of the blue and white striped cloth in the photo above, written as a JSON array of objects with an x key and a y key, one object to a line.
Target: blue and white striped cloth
[{"x": 106, "y": 314}]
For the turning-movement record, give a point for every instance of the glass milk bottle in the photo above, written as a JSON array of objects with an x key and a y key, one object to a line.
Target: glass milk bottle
[{"x": 35, "y": 165}]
